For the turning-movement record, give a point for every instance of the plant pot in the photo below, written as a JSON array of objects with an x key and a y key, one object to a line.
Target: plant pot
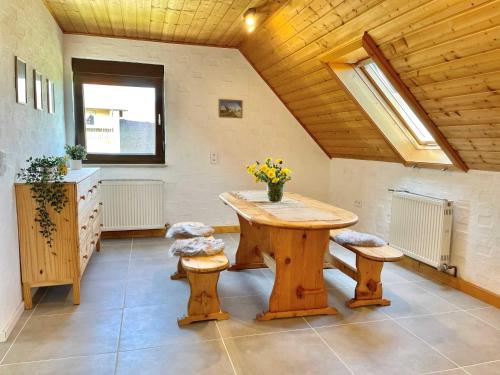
[
  {"x": 75, "y": 164},
  {"x": 274, "y": 192}
]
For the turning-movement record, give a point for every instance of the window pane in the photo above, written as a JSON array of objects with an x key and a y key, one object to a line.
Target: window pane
[
  {"x": 119, "y": 119},
  {"x": 409, "y": 117}
]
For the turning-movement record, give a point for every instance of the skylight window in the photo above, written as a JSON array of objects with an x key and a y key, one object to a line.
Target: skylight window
[{"x": 413, "y": 124}]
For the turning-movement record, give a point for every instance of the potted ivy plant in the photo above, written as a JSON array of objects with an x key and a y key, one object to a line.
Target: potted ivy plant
[
  {"x": 45, "y": 175},
  {"x": 77, "y": 154}
]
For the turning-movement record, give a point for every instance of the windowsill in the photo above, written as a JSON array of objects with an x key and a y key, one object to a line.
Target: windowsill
[{"x": 126, "y": 165}]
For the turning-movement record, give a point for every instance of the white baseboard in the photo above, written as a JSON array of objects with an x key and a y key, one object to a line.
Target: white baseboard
[{"x": 5, "y": 331}]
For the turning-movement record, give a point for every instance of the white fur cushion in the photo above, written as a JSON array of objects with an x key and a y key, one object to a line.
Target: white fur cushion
[
  {"x": 199, "y": 246},
  {"x": 189, "y": 229},
  {"x": 351, "y": 237}
]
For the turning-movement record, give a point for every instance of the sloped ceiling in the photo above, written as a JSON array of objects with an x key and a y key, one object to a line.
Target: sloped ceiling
[{"x": 446, "y": 51}]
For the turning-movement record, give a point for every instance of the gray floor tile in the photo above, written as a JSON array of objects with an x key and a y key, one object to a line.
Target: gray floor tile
[
  {"x": 208, "y": 358},
  {"x": 492, "y": 368},
  {"x": 382, "y": 348},
  {"x": 458, "y": 335},
  {"x": 95, "y": 296},
  {"x": 243, "y": 283},
  {"x": 151, "y": 326},
  {"x": 152, "y": 268},
  {"x": 117, "y": 242},
  {"x": 152, "y": 241},
  {"x": 4, "y": 346},
  {"x": 242, "y": 321},
  {"x": 269, "y": 275},
  {"x": 335, "y": 279},
  {"x": 337, "y": 298},
  {"x": 103, "y": 364},
  {"x": 297, "y": 352},
  {"x": 174, "y": 294},
  {"x": 490, "y": 315},
  {"x": 399, "y": 272},
  {"x": 409, "y": 299},
  {"x": 152, "y": 342},
  {"x": 155, "y": 249},
  {"x": 98, "y": 271},
  {"x": 58, "y": 336},
  {"x": 451, "y": 295},
  {"x": 112, "y": 254}
]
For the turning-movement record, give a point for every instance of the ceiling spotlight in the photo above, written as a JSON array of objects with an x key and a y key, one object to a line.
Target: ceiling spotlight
[{"x": 249, "y": 18}]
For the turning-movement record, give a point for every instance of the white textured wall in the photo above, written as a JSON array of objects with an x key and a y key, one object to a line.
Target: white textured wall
[
  {"x": 28, "y": 31},
  {"x": 476, "y": 197},
  {"x": 195, "y": 78}
]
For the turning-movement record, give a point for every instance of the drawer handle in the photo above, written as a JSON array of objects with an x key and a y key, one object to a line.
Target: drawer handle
[
  {"x": 99, "y": 182},
  {"x": 92, "y": 242},
  {"x": 84, "y": 227},
  {"x": 101, "y": 225},
  {"x": 94, "y": 187},
  {"x": 97, "y": 234},
  {"x": 95, "y": 210},
  {"x": 82, "y": 197},
  {"x": 85, "y": 256},
  {"x": 100, "y": 203},
  {"x": 91, "y": 190},
  {"x": 91, "y": 217}
]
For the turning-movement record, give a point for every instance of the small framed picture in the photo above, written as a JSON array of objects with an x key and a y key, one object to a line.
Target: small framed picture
[
  {"x": 21, "y": 82},
  {"x": 230, "y": 108},
  {"x": 50, "y": 97},
  {"x": 37, "y": 90}
]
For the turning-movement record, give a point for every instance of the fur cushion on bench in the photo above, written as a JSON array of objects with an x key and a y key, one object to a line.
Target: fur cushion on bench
[
  {"x": 199, "y": 246},
  {"x": 351, "y": 237},
  {"x": 189, "y": 229}
]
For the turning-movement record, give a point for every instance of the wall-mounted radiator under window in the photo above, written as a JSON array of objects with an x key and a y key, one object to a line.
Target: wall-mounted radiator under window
[
  {"x": 421, "y": 227},
  {"x": 132, "y": 204}
]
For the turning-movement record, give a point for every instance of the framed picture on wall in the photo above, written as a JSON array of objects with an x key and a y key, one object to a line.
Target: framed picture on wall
[
  {"x": 37, "y": 90},
  {"x": 50, "y": 96},
  {"x": 230, "y": 108},
  {"x": 21, "y": 82}
]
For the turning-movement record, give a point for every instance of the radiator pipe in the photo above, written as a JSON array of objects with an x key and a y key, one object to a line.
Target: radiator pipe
[
  {"x": 446, "y": 268},
  {"x": 421, "y": 195}
]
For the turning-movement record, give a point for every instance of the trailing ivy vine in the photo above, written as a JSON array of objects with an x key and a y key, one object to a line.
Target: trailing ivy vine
[{"x": 46, "y": 176}]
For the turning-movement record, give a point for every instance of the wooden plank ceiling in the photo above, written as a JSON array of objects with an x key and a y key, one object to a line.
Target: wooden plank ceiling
[
  {"x": 446, "y": 51},
  {"x": 207, "y": 22}
]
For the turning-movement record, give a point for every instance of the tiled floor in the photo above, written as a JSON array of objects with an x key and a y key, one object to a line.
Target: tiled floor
[{"x": 126, "y": 324}]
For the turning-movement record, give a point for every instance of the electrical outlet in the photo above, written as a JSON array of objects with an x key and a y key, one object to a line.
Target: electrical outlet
[
  {"x": 358, "y": 203},
  {"x": 214, "y": 158}
]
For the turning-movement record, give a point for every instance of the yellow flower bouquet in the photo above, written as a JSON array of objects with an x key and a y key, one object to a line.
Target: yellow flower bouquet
[{"x": 274, "y": 174}]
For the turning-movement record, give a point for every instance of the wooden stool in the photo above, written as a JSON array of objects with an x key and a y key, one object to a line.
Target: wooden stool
[
  {"x": 203, "y": 275},
  {"x": 369, "y": 263}
]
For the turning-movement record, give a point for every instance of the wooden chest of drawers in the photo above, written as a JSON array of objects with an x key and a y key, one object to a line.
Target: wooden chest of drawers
[{"x": 78, "y": 234}]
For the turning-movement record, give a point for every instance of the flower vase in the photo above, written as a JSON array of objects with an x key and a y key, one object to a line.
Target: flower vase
[
  {"x": 274, "y": 192},
  {"x": 75, "y": 164}
]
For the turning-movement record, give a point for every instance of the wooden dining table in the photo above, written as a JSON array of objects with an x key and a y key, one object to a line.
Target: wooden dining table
[{"x": 290, "y": 237}]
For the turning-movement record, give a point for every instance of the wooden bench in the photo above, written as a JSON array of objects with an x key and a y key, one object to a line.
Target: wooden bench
[
  {"x": 369, "y": 263},
  {"x": 203, "y": 275}
]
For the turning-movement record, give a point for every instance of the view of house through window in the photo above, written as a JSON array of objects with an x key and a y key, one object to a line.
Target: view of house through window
[
  {"x": 119, "y": 119},
  {"x": 119, "y": 111},
  {"x": 408, "y": 117}
]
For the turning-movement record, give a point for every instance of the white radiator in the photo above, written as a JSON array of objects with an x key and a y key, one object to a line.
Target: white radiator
[
  {"x": 132, "y": 204},
  {"x": 421, "y": 227}
]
